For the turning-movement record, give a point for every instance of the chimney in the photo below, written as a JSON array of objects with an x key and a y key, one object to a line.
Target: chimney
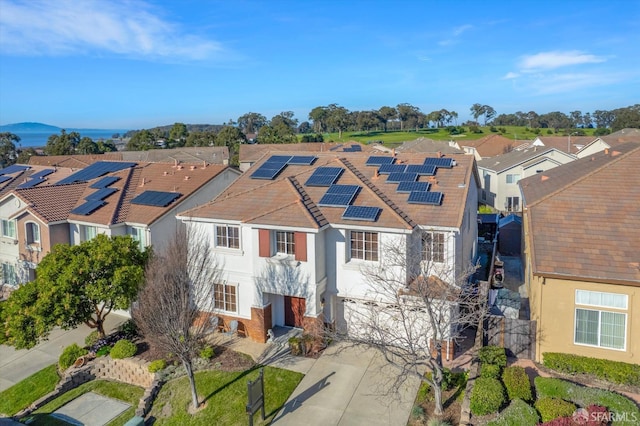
[
  {"x": 439, "y": 154},
  {"x": 606, "y": 151},
  {"x": 376, "y": 175},
  {"x": 393, "y": 152}
]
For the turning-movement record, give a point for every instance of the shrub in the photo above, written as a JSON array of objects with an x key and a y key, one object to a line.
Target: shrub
[
  {"x": 105, "y": 350},
  {"x": 423, "y": 392},
  {"x": 490, "y": 370},
  {"x": 69, "y": 356},
  {"x": 594, "y": 415},
  {"x": 487, "y": 396},
  {"x": 516, "y": 381},
  {"x": 450, "y": 379},
  {"x": 207, "y": 353},
  {"x": 417, "y": 412},
  {"x": 493, "y": 355},
  {"x": 438, "y": 422},
  {"x": 123, "y": 349},
  {"x": 128, "y": 330},
  {"x": 157, "y": 365},
  {"x": 518, "y": 413},
  {"x": 550, "y": 408},
  {"x": 613, "y": 371},
  {"x": 92, "y": 338}
]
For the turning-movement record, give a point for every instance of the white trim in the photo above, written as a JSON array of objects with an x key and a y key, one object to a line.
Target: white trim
[{"x": 626, "y": 300}]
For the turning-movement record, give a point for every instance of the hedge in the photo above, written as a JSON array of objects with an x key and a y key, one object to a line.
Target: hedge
[
  {"x": 123, "y": 349},
  {"x": 551, "y": 408},
  {"x": 613, "y": 371},
  {"x": 490, "y": 370},
  {"x": 493, "y": 355},
  {"x": 487, "y": 396},
  {"x": 595, "y": 416},
  {"x": 516, "y": 381},
  {"x": 69, "y": 356},
  {"x": 518, "y": 413}
]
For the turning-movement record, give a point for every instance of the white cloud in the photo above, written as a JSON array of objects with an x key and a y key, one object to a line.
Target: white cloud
[
  {"x": 510, "y": 75},
  {"x": 556, "y": 59},
  {"x": 128, "y": 28},
  {"x": 570, "y": 82},
  {"x": 462, "y": 28}
]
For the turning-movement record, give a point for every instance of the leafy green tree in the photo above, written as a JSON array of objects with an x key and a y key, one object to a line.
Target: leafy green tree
[
  {"x": 24, "y": 155},
  {"x": 87, "y": 146},
  {"x": 626, "y": 118},
  {"x": 476, "y": 111},
  {"x": 603, "y": 118},
  {"x": 305, "y": 127},
  {"x": 143, "y": 140},
  {"x": 74, "y": 285},
  {"x": 488, "y": 113},
  {"x": 251, "y": 122},
  {"x": 387, "y": 113},
  {"x": 177, "y": 135},
  {"x": 407, "y": 112},
  {"x": 285, "y": 118},
  {"x": 8, "y": 153},
  {"x": 205, "y": 138},
  {"x": 278, "y": 133},
  {"x": 319, "y": 116},
  {"x": 62, "y": 144},
  {"x": 338, "y": 118},
  {"x": 106, "y": 146},
  {"x": 231, "y": 137}
]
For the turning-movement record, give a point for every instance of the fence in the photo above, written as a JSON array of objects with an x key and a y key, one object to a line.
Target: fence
[{"x": 517, "y": 336}]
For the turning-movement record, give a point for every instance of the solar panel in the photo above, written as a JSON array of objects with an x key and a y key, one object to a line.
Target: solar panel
[
  {"x": 96, "y": 170},
  {"x": 422, "y": 170},
  {"x": 88, "y": 207},
  {"x": 356, "y": 148},
  {"x": 402, "y": 177},
  {"x": 100, "y": 194},
  {"x": 279, "y": 159},
  {"x": 268, "y": 171},
  {"x": 30, "y": 183},
  {"x": 156, "y": 198},
  {"x": 361, "y": 213},
  {"x": 5, "y": 178},
  {"x": 413, "y": 186},
  {"x": 104, "y": 182},
  {"x": 339, "y": 195},
  {"x": 324, "y": 176},
  {"x": 343, "y": 189},
  {"x": 335, "y": 147},
  {"x": 13, "y": 169},
  {"x": 439, "y": 162},
  {"x": 423, "y": 197},
  {"x": 385, "y": 169},
  {"x": 41, "y": 174},
  {"x": 302, "y": 160},
  {"x": 379, "y": 161}
]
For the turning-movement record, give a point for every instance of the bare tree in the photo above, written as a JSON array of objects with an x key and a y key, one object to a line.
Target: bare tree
[
  {"x": 414, "y": 309},
  {"x": 179, "y": 287}
]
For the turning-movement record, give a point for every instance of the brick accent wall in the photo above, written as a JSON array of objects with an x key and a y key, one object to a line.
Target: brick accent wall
[
  {"x": 254, "y": 328},
  {"x": 452, "y": 350}
]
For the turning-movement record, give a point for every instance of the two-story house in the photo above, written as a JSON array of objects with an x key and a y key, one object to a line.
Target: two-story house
[{"x": 295, "y": 232}]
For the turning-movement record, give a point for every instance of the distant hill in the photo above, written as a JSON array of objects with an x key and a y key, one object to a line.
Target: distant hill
[{"x": 29, "y": 127}]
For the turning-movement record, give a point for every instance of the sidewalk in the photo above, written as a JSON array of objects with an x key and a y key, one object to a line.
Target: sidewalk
[{"x": 17, "y": 365}]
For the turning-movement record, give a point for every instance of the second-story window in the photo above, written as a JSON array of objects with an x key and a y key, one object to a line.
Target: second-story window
[
  {"x": 9, "y": 228},
  {"x": 285, "y": 242},
  {"x": 33, "y": 233},
  {"x": 228, "y": 236},
  {"x": 364, "y": 245},
  {"x": 513, "y": 178},
  {"x": 87, "y": 232},
  {"x": 138, "y": 234},
  {"x": 433, "y": 247}
]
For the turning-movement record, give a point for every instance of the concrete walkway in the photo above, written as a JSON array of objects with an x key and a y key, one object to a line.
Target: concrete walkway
[{"x": 17, "y": 365}]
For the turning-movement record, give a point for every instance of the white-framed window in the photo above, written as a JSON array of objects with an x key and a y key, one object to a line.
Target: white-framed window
[
  {"x": 512, "y": 204},
  {"x": 87, "y": 232},
  {"x": 600, "y": 327},
  {"x": 285, "y": 243},
  {"x": 228, "y": 236},
  {"x": 225, "y": 297},
  {"x": 513, "y": 178},
  {"x": 139, "y": 235},
  {"x": 364, "y": 245},
  {"x": 9, "y": 274},
  {"x": 33, "y": 232},
  {"x": 433, "y": 247},
  {"x": 9, "y": 228}
]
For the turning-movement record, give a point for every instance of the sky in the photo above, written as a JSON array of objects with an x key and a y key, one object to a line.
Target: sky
[{"x": 128, "y": 64}]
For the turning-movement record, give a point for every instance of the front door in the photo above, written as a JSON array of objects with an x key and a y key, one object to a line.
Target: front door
[{"x": 294, "y": 308}]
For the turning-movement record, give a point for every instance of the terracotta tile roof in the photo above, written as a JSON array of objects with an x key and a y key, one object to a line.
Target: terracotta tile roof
[
  {"x": 52, "y": 203},
  {"x": 503, "y": 162},
  {"x": 428, "y": 145},
  {"x": 622, "y": 136},
  {"x": 188, "y": 155},
  {"x": 561, "y": 143},
  {"x": 250, "y": 153},
  {"x": 73, "y": 161},
  {"x": 283, "y": 201},
  {"x": 584, "y": 217},
  {"x": 19, "y": 178},
  {"x": 491, "y": 145}
]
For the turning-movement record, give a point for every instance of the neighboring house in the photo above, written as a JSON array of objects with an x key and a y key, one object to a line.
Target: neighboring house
[
  {"x": 609, "y": 141},
  {"x": 293, "y": 254},
  {"x": 500, "y": 174},
  {"x": 568, "y": 144},
  {"x": 107, "y": 197},
  {"x": 490, "y": 146},
  {"x": 423, "y": 145},
  {"x": 582, "y": 255}
]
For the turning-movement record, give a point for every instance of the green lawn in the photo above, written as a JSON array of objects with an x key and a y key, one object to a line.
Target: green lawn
[
  {"x": 121, "y": 391},
  {"x": 23, "y": 394},
  {"x": 225, "y": 396}
]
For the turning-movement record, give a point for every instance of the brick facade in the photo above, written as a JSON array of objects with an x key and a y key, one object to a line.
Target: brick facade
[{"x": 254, "y": 328}]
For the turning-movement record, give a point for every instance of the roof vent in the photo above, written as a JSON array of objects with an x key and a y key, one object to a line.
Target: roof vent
[
  {"x": 143, "y": 182},
  {"x": 615, "y": 153},
  {"x": 165, "y": 173},
  {"x": 186, "y": 177},
  {"x": 179, "y": 167},
  {"x": 606, "y": 151},
  {"x": 544, "y": 178},
  {"x": 193, "y": 167}
]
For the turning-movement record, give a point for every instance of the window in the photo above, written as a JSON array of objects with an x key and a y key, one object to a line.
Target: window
[
  {"x": 512, "y": 204},
  {"x": 225, "y": 297},
  {"x": 9, "y": 228},
  {"x": 433, "y": 247},
  {"x": 285, "y": 242},
  {"x": 138, "y": 234},
  {"x": 364, "y": 245},
  {"x": 513, "y": 178},
  {"x": 33, "y": 233},
  {"x": 9, "y": 274},
  {"x": 87, "y": 232},
  {"x": 597, "y": 327},
  {"x": 228, "y": 236}
]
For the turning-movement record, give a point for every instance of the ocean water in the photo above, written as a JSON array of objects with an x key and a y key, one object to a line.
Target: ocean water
[{"x": 39, "y": 139}]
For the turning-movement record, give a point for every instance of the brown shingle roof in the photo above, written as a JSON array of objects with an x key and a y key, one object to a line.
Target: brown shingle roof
[
  {"x": 428, "y": 145},
  {"x": 250, "y": 153},
  {"x": 280, "y": 202},
  {"x": 561, "y": 143},
  {"x": 491, "y": 145},
  {"x": 73, "y": 161},
  {"x": 584, "y": 217}
]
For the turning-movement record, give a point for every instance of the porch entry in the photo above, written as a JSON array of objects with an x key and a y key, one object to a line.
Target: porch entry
[{"x": 294, "y": 309}]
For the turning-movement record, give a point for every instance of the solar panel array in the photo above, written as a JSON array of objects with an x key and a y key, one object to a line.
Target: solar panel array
[
  {"x": 41, "y": 174},
  {"x": 88, "y": 207},
  {"x": 29, "y": 183},
  {"x": 402, "y": 177},
  {"x": 104, "y": 182},
  {"x": 339, "y": 196},
  {"x": 36, "y": 178},
  {"x": 13, "y": 169},
  {"x": 443, "y": 162},
  {"x": 379, "y": 161},
  {"x": 413, "y": 186},
  {"x": 353, "y": 148},
  {"x": 276, "y": 164},
  {"x": 156, "y": 198},
  {"x": 302, "y": 160},
  {"x": 100, "y": 194},
  {"x": 324, "y": 176},
  {"x": 96, "y": 170},
  {"x": 422, "y": 170},
  {"x": 425, "y": 197},
  {"x": 5, "y": 178},
  {"x": 385, "y": 169},
  {"x": 361, "y": 213}
]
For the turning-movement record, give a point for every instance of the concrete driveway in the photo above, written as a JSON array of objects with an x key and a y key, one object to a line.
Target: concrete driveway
[
  {"x": 16, "y": 365},
  {"x": 349, "y": 386}
]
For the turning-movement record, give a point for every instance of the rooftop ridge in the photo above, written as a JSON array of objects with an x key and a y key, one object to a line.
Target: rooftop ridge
[
  {"x": 308, "y": 203},
  {"x": 126, "y": 195},
  {"x": 381, "y": 195}
]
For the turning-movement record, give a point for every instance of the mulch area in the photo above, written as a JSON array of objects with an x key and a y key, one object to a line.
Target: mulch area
[{"x": 452, "y": 406}]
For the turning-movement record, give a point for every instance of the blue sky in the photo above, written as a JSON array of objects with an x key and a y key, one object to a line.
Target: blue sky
[{"x": 139, "y": 64}]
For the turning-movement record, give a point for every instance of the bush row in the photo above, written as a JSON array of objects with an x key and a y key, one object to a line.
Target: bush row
[
  {"x": 516, "y": 381},
  {"x": 613, "y": 371},
  {"x": 593, "y": 415},
  {"x": 518, "y": 413},
  {"x": 487, "y": 396},
  {"x": 493, "y": 355},
  {"x": 551, "y": 408}
]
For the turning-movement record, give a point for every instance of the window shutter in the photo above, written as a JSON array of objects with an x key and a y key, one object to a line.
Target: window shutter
[
  {"x": 300, "y": 241},
  {"x": 264, "y": 243}
]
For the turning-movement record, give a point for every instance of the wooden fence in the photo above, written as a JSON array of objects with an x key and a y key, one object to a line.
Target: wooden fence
[{"x": 517, "y": 336}]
